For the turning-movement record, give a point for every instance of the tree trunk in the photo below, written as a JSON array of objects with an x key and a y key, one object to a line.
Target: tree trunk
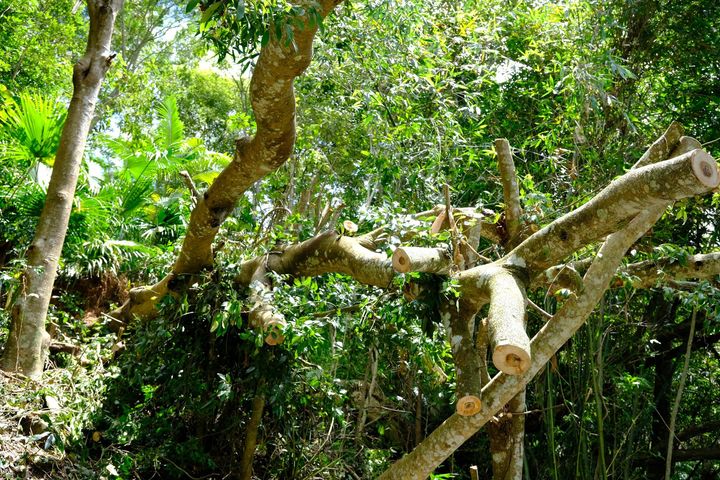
[
  {"x": 661, "y": 312},
  {"x": 507, "y": 438},
  {"x": 28, "y": 342},
  {"x": 258, "y": 406}
]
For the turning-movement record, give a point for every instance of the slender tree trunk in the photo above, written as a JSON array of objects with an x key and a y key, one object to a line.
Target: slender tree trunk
[
  {"x": 507, "y": 438},
  {"x": 678, "y": 397},
  {"x": 258, "y": 406},
  {"x": 28, "y": 342},
  {"x": 661, "y": 312}
]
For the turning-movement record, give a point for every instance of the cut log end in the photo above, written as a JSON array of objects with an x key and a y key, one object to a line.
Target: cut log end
[
  {"x": 468, "y": 405},
  {"x": 274, "y": 329},
  {"x": 705, "y": 168},
  {"x": 401, "y": 261},
  {"x": 511, "y": 359}
]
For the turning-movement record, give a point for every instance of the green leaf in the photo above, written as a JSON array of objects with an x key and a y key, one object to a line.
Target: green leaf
[
  {"x": 207, "y": 14},
  {"x": 191, "y": 5}
]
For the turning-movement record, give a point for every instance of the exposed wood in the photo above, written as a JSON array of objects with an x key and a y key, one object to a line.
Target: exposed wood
[
  {"x": 506, "y": 323},
  {"x": 442, "y": 442},
  {"x": 458, "y": 319},
  {"x": 418, "y": 259},
  {"x": 691, "y": 174}
]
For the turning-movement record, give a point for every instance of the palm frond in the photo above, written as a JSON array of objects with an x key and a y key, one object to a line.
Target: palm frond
[
  {"x": 171, "y": 127},
  {"x": 34, "y": 125}
]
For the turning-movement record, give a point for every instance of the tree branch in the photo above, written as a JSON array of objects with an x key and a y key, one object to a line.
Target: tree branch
[
  {"x": 419, "y": 463},
  {"x": 661, "y": 183},
  {"x": 511, "y": 191},
  {"x": 661, "y": 148},
  {"x": 325, "y": 253}
]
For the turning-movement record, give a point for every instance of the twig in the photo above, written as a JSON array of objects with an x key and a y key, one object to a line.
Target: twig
[
  {"x": 191, "y": 186},
  {"x": 542, "y": 312},
  {"x": 678, "y": 396}
]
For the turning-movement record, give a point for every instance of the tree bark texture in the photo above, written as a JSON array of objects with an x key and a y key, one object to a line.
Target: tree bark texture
[
  {"x": 28, "y": 342},
  {"x": 507, "y": 437}
]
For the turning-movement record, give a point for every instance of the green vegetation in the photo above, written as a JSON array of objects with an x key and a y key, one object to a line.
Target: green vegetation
[{"x": 400, "y": 99}]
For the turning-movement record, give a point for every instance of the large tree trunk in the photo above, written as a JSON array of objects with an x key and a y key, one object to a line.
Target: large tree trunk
[{"x": 28, "y": 342}]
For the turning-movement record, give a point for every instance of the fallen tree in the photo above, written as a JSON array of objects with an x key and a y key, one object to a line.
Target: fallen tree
[{"x": 672, "y": 169}]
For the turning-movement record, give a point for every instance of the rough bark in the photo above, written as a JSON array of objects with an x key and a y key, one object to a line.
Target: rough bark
[{"x": 28, "y": 342}]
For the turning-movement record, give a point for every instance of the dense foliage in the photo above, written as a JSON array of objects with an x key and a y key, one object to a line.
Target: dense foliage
[{"x": 401, "y": 98}]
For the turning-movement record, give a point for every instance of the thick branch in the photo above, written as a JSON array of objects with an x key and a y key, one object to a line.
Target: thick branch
[
  {"x": 507, "y": 435},
  {"x": 418, "y": 259},
  {"x": 696, "y": 430},
  {"x": 689, "y": 455},
  {"x": 325, "y": 253},
  {"x": 273, "y": 102},
  {"x": 459, "y": 319},
  {"x": 661, "y": 148},
  {"x": 652, "y": 272},
  {"x": 419, "y": 463},
  {"x": 511, "y": 191},
  {"x": 638, "y": 190},
  {"x": 645, "y": 274},
  {"x": 506, "y": 323}
]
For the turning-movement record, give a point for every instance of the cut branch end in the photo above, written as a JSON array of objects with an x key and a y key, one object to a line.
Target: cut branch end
[
  {"x": 468, "y": 405},
  {"x": 705, "y": 168},
  {"x": 511, "y": 359}
]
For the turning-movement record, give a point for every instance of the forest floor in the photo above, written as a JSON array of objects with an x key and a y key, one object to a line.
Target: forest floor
[
  {"x": 22, "y": 453},
  {"x": 39, "y": 418}
]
